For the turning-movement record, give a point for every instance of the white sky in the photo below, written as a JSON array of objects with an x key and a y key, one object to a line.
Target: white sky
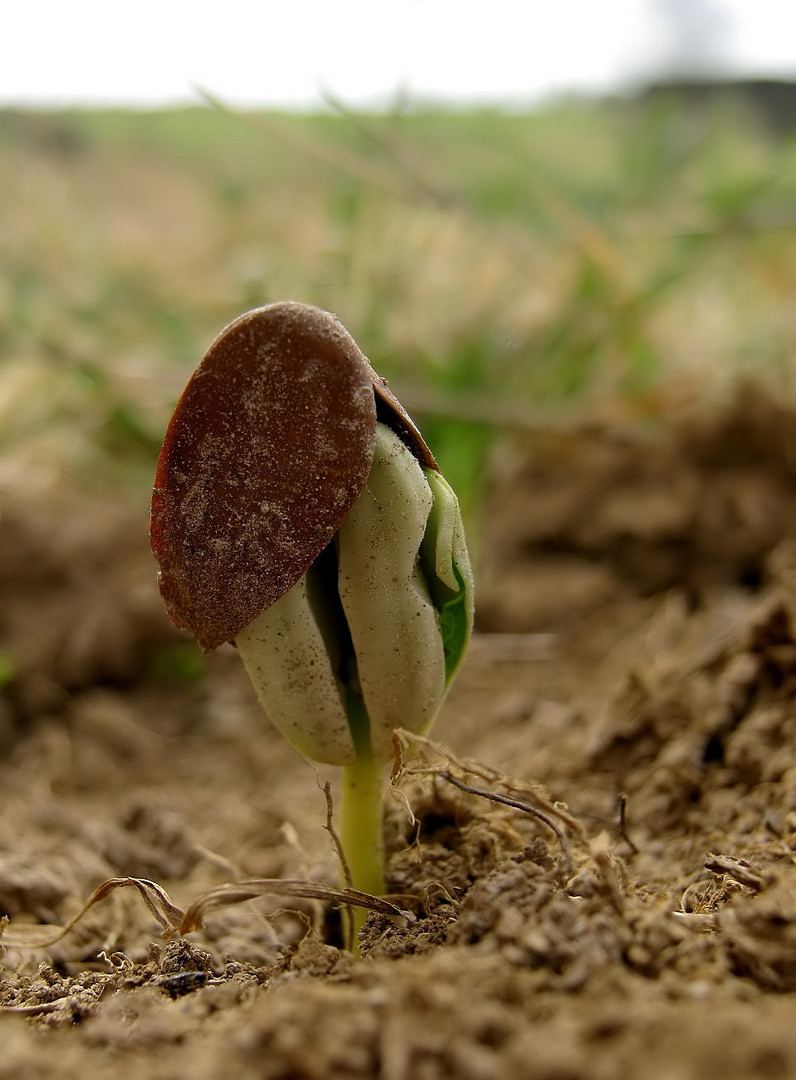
[{"x": 284, "y": 52}]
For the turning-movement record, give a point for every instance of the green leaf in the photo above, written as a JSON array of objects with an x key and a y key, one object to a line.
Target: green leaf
[
  {"x": 455, "y": 624},
  {"x": 446, "y": 566}
]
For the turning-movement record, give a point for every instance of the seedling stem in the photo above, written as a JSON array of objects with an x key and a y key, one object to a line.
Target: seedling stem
[{"x": 361, "y": 828}]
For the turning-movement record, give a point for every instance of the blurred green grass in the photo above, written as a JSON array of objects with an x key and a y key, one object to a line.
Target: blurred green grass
[{"x": 614, "y": 259}]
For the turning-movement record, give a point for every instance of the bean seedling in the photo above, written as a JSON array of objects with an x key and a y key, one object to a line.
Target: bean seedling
[{"x": 298, "y": 514}]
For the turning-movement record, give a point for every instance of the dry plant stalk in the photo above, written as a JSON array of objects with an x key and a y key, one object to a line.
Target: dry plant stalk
[{"x": 176, "y": 922}]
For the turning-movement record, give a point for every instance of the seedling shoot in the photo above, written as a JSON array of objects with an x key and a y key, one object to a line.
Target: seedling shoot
[{"x": 298, "y": 514}]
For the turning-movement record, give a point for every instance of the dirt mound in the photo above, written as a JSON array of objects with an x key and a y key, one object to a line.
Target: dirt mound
[{"x": 578, "y": 520}]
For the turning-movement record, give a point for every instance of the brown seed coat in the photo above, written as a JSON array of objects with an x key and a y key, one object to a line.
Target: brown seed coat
[{"x": 267, "y": 450}]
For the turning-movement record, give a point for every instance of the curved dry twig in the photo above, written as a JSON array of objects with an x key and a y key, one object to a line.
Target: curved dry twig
[
  {"x": 176, "y": 922},
  {"x": 516, "y": 804},
  {"x": 241, "y": 891},
  {"x": 157, "y": 900}
]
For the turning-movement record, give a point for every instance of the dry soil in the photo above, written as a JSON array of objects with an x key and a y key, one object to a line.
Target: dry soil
[{"x": 630, "y": 911}]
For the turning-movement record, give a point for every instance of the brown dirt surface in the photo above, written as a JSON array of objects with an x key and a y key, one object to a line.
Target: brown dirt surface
[{"x": 628, "y": 910}]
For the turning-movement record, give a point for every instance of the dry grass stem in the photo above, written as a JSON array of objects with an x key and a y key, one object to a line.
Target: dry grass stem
[{"x": 174, "y": 921}]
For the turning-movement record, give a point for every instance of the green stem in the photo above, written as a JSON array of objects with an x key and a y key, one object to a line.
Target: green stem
[{"x": 361, "y": 829}]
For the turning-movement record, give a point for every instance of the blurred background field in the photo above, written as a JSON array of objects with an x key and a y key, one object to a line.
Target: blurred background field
[
  {"x": 568, "y": 300},
  {"x": 621, "y": 260}
]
